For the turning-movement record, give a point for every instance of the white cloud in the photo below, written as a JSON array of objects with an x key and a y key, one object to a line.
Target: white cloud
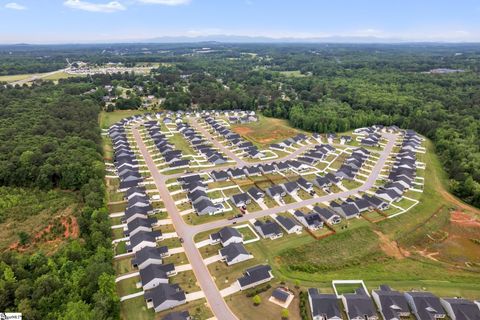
[
  {"x": 166, "y": 2},
  {"x": 111, "y": 6},
  {"x": 15, "y": 6}
]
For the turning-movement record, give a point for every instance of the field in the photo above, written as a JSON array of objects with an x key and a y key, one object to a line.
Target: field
[
  {"x": 265, "y": 131},
  {"x": 54, "y": 77},
  {"x": 106, "y": 119}
]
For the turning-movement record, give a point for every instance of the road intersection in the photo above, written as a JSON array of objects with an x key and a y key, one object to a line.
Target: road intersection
[{"x": 187, "y": 232}]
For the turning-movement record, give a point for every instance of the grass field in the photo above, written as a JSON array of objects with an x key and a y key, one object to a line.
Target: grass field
[
  {"x": 265, "y": 131},
  {"x": 106, "y": 119},
  {"x": 54, "y": 77},
  {"x": 293, "y": 74}
]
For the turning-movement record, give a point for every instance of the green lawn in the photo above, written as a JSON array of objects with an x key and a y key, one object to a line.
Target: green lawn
[{"x": 106, "y": 119}]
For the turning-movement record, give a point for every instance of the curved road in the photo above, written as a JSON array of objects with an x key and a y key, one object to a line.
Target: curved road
[{"x": 218, "y": 305}]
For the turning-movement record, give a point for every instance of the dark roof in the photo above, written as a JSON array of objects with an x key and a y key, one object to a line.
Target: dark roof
[
  {"x": 286, "y": 222},
  {"x": 280, "y": 294},
  {"x": 464, "y": 309},
  {"x": 359, "y": 304},
  {"x": 268, "y": 227},
  {"x": 427, "y": 305},
  {"x": 255, "y": 193},
  {"x": 255, "y": 274},
  {"x": 232, "y": 251},
  {"x": 155, "y": 271},
  {"x": 324, "y": 304},
  {"x": 163, "y": 292},
  {"x": 392, "y": 303},
  {"x": 148, "y": 253},
  {"x": 226, "y": 233}
]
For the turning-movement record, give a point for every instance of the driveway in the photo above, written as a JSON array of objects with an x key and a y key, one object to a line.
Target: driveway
[{"x": 187, "y": 232}]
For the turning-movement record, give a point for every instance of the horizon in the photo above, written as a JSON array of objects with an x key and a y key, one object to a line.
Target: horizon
[{"x": 307, "y": 21}]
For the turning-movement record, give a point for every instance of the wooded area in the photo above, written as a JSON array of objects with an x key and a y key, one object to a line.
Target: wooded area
[{"x": 50, "y": 139}]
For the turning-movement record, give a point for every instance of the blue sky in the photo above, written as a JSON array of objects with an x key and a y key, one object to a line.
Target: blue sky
[{"x": 72, "y": 21}]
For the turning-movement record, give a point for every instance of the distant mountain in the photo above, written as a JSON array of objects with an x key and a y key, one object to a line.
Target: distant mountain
[{"x": 261, "y": 39}]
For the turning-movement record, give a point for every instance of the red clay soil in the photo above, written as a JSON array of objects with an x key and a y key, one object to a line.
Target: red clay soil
[
  {"x": 243, "y": 130},
  {"x": 72, "y": 230},
  {"x": 465, "y": 220}
]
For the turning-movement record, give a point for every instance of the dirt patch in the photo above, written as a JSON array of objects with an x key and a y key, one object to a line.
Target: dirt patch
[
  {"x": 243, "y": 131},
  {"x": 465, "y": 220},
  {"x": 391, "y": 247}
]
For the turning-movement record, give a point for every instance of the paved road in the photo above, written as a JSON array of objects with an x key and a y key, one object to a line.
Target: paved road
[
  {"x": 207, "y": 284},
  {"x": 216, "y": 143},
  {"x": 187, "y": 232}
]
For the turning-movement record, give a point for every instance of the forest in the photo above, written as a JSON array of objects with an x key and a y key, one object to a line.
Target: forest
[
  {"x": 324, "y": 88},
  {"x": 51, "y": 158}
]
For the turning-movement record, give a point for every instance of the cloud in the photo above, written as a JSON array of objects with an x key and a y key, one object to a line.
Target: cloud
[
  {"x": 111, "y": 6},
  {"x": 15, "y": 6},
  {"x": 166, "y": 2}
]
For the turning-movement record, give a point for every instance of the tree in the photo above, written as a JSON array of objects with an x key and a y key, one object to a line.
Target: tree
[
  {"x": 285, "y": 314},
  {"x": 256, "y": 300}
]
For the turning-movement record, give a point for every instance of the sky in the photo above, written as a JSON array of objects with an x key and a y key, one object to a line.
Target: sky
[{"x": 85, "y": 21}]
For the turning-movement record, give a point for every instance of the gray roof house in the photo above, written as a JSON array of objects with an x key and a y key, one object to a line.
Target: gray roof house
[
  {"x": 219, "y": 175},
  {"x": 290, "y": 187},
  {"x": 311, "y": 221},
  {"x": 241, "y": 199},
  {"x": 154, "y": 274},
  {"x": 148, "y": 256},
  {"x": 425, "y": 306},
  {"x": 327, "y": 215},
  {"x": 254, "y": 276},
  {"x": 226, "y": 236},
  {"x": 234, "y": 253},
  {"x": 165, "y": 296},
  {"x": 323, "y": 306},
  {"x": 143, "y": 239},
  {"x": 346, "y": 210},
  {"x": 288, "y": 224},
  {"x": 276, "y": 192},
  {"x": 206, "y": 206},
  {"x": 359, "y": 306},
  {"x": 256, "y": 194},
  {"x": 460, "y": 309},
  {"x": 268, "y": 229},
  {"x": 392, "y": 304}
]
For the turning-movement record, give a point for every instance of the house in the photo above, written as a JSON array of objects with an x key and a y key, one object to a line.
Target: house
[
  {"x": 305, "y": 185},
  {"x": 268, "y": 229},
  {"x": 178, "y": 315},
  {"x": 252, "y": 171},
  {"x": 392, "y": 304},
  {"x": 359, "y": 306},
  {"x": 236, "y": 173},
  {"x": 461, "y": 309},
  {"x": 327, "y": 215},
  {"x": 143, "y": 239},
  {"x": 346, "y": 210},
  {"x": 376, "y": 202},
  {"x": 267, "y": 168},
  {"x": 361, "y": 204},
  {"x": 311, "y": 220},
  {"x": 276, "y": 192},
  {"x": 323, "y": 306},
  {"x": 234, "y": 253},
  {"x": 154, "y": 274},
  {"x": 322, "y": 182},
  {"x": 425, "y": 306},
  {"x": 290, "y": 187},
  {"x": 226, "y": 236},
  {"x": 197, "y": 196},
  {"x": 289, "y": 225},
  {"x": 255, "y": 276},
  {"x": 241, "y": 199},
  {"x": 256, "y": 194},
  {"x": 389, "y": 195},
  {"x": 165, "y": 296},
  {"x": 205, "y": 207},
  {"x": 137, "y": 225},
  {"x": 219, "y": 175},
  {"x": 149, "y": 255}
]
